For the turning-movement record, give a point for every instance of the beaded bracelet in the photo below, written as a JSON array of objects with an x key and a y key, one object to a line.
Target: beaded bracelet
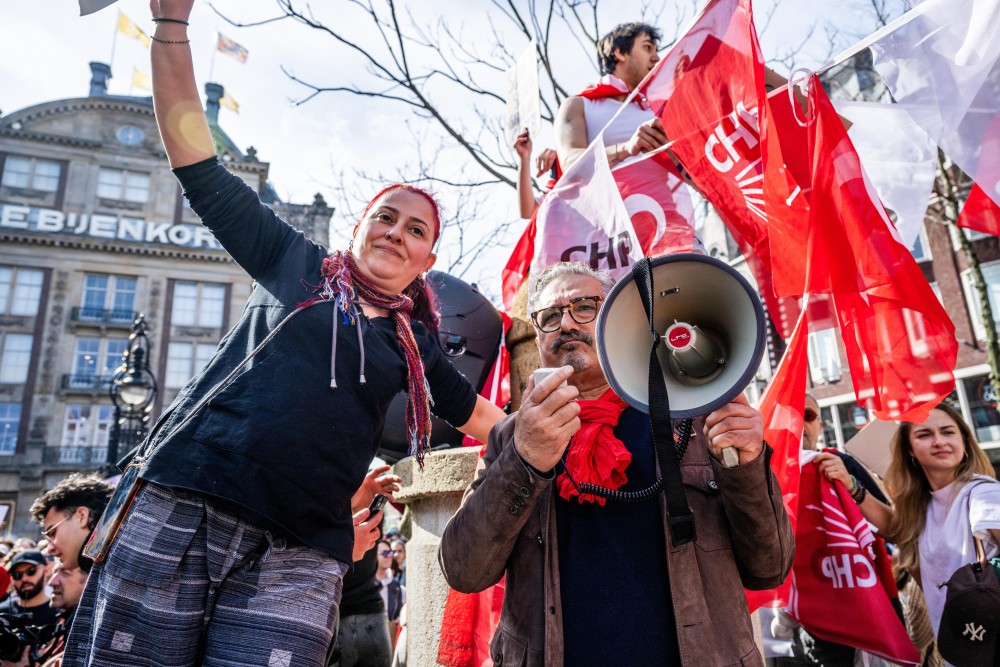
[
  {"x": 170, "y": 41},
  {"x": 163, "y": 19},
  {"x": 859, "y": 492}
]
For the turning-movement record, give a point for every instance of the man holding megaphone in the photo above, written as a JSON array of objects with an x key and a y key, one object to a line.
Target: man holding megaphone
[{"x": 568, "y": 502}]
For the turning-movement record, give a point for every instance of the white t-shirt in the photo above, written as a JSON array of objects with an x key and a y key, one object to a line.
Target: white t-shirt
[
  {"x": 598, "y": 113},
  {"x": 946, "y": 543}
]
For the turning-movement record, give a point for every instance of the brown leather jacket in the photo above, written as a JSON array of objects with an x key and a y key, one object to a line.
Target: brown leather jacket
[{"x": 506, "y": 525}]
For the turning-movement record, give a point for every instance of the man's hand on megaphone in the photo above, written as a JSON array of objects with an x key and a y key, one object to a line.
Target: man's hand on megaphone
[
  {"x": 736, "y": 424},
  {"x": 547, "y": 420}
]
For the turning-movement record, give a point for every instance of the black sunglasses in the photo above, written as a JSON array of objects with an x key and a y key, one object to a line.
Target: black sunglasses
[
  {"x": 582, "y": 309},
  {"x": 810, "y": 415},
  {"x": 384, "y": 554},
  {"x": 26, "y": 572}
]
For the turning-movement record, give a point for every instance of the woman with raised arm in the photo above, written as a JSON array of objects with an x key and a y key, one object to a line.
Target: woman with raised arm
[{"x": 234, "y": 548}]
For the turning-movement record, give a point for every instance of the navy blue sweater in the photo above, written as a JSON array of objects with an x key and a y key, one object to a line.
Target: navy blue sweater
[
  {"x": 618, "y": 607},
  {"x": 277, "y": 445}
]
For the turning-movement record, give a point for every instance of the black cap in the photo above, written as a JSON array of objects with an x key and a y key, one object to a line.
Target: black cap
[
  {"x": 970, "y": 623},
  {"x": 31, "y": 556}
]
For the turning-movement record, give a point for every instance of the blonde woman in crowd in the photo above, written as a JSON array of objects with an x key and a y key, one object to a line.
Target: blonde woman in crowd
[{"x": 943, "y": 493}]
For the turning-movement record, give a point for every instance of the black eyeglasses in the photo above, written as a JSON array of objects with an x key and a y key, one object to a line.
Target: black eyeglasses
[
  {"x": 582, "y": 309},
  {"x": 17, "y": 575},
  {"x": 810, "y": 415}
]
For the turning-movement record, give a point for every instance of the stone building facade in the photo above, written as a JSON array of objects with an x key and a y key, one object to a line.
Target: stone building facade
[{"x": 93, "y": 231}]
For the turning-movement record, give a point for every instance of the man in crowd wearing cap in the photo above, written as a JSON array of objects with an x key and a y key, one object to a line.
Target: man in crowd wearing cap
[
  {"x": 28, "y": 604},
  {"x": 590, "y": 582},
  {"x": 68, "y": 513}
]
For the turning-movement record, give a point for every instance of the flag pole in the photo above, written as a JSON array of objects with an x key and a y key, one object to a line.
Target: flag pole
[
  {"x": 211, "y": 66},
  {"x": 114, "y": 41}
]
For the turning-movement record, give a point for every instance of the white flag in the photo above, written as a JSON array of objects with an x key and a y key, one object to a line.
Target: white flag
[
  {"x": 942, "y": 63},
  {"x": 899, "y": 158},
  {"x": 584, "y": 219}
]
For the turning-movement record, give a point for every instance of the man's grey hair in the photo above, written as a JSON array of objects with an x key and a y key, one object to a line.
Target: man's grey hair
[{"x": 563, "y": 270}]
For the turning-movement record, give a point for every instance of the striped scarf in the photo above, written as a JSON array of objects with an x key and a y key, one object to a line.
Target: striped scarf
[{"x": 343, "y": 282}]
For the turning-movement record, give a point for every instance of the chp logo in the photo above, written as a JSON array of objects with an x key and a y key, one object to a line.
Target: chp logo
[{"x": 722, "y": 149}]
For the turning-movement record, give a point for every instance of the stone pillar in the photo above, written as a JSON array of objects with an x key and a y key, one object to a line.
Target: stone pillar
[
  {"x": 522, "y": 345},
  {"x": 433, "y": 495}
]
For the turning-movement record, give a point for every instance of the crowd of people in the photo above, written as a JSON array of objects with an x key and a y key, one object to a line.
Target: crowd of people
[
  {"x": 47, "y": 577},
  {"x": 247, "y": 538}
]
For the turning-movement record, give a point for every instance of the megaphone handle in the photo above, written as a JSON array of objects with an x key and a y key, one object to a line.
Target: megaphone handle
[{"x": 730, "y": 458}]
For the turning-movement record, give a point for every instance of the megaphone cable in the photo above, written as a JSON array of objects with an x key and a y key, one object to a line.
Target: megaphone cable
[{"x": 684, "y": 431}]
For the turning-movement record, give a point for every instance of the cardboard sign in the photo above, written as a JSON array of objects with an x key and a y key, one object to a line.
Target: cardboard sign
[{"x": 871, "y": 445}]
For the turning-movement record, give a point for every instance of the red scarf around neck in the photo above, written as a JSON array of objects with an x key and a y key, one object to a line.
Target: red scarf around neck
[
  {"x": 610, "y": 86},
  {"x": 595, "y": 455}
]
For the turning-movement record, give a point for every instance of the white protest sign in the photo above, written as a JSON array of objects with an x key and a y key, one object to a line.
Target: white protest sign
[{"x": 523, "y": 105}]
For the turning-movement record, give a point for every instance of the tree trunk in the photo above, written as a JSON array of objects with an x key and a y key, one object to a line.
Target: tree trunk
[{"x": 950, "y": 200}]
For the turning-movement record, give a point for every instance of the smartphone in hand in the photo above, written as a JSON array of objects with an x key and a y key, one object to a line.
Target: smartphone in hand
[{"x": 378, "y": 502}]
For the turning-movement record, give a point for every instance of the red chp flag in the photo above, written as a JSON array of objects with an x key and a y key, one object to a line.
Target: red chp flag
[
  {"x": 835, "y": 238},
  {"x": 837, "y": 592},
  {"x": 658, "y": 203},
  {"x": 708, "y": 91},
  {"x": 782, "y": 407}
]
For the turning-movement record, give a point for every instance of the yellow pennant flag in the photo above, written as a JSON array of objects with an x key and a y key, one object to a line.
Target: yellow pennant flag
[
  {"x": 128, "y": 27},
  {"x": 229, "y": 103},
  {"x": 141, "y": 80}
]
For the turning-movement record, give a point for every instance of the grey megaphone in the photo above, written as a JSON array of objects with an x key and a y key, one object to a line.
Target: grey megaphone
[{"x": 711, "y": 326}]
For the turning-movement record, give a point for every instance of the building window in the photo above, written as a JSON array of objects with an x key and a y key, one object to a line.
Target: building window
[
  {"x": 921, "y": 249},
  {"x": 108, "y": 298},
  {"x": 198, "y": 304},
  {"x": 842, "y": 421},
  {"x": 10, "y": 422},
  {"x": 829, "y": 436},
  {"x": 31, "y": 173},
  {"x": 85, "y": 433},
  {"x": 122, "y": 185},
  {"x": 20, "y": 290},
  {"x": 96, "y": 357},
  {"x": 185, "y": 360},
  {"x": 991, "y": 275},
  {"x": 824, "y": 357},
  {"x": 15, "y": 356},
  {"x": 982, "y": 408}
]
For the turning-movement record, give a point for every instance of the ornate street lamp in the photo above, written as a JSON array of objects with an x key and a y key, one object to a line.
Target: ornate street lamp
[{"x": 133, "y": 390}]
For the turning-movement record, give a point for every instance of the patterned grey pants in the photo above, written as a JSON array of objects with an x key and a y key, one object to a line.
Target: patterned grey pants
[{"x": 186, "y": 583}]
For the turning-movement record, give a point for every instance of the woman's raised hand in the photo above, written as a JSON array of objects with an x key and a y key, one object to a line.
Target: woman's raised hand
[{"x": 179, "y": 115}]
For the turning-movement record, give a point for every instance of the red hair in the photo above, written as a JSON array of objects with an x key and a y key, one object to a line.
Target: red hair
[{"x": 409, "y": 188}]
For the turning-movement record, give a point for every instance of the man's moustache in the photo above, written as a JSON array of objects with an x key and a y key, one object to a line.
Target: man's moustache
[{"x": 571, "y": 336}]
